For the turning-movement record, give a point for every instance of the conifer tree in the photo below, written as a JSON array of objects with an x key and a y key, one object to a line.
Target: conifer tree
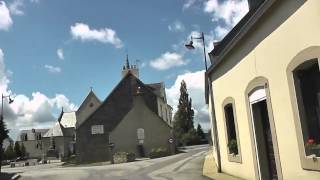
[
  {"x": 9, "y": 153},
  {"x": 200, "y": 132},
  {"x": 3, "y": 135},
  {"x": 183, "y": 118},
  {"x": 17, "y": 149},
  {"x": 23, "y": 150}
]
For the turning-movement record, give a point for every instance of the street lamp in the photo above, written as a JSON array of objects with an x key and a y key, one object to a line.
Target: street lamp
[
  {"x": 214, "y": 122},
  {"x": 190, "y": 46},
  {"x": 2, "y": 98}
]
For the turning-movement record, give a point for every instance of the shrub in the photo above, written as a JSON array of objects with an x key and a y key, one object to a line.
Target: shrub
[
  {"x": 233, "y": 147},
  {"x": 123, "y": 157},
  {"x": 131, "y": 157},
  {"x": 159, "y": 152}
]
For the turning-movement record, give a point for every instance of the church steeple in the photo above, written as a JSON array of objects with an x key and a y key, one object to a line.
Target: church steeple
[
  {"x": 127, "y": 62},
  {"x": 133, "y": 69}
]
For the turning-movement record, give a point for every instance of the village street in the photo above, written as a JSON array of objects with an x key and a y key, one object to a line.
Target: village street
[{"x": 182, "y": 166}]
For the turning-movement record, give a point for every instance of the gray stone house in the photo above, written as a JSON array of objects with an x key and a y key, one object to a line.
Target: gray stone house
[
  {"x": 32, "y": 141},
  {"x": 135, "y": 117},
  {"x": 60, "y": 139},
  {"x": 38, "y": 141}
]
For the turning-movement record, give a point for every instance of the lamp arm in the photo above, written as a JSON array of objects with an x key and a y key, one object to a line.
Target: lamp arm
[{"x": 204, "y": 51}]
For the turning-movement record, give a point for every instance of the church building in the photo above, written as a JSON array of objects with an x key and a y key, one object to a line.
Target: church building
[{"x": 134, "y": 118}]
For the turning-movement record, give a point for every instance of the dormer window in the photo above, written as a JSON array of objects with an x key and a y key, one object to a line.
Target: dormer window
[
  {"x": 38, "y": 136},
  {"x": 24, "y": 137}
]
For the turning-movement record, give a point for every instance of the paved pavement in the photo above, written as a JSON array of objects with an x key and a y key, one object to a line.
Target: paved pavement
[{"x": 184, "y": 166}]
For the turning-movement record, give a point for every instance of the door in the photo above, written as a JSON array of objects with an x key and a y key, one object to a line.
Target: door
[{"x": 265, "y": 156}]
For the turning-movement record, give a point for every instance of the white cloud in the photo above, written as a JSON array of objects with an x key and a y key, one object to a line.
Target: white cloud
[
  {"x": 5, "y": 18},
  {"x": 195, "y": 86},
  {"x": 15, "y": 7},
  {"x": 188, "y": 4},
  {"x": 220, "y": 31},
  {"x": 228, "y": 11},
  {"x": 60, "y": 53},
  {"x": 168, "y": 60},
  {"x": 81, "y": 31},
  {"x": 176, "y": 26},
  {"x": 4, "y": 81},
  {"x": 52, "y": 69},
  {"x": 37, "y": 111}
]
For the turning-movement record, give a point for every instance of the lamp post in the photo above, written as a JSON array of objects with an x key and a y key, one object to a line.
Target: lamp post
[
  {"x": 214, "y": 122},
  {"x": 190, "y": 46},
  {"x": 1, "y": 119}
]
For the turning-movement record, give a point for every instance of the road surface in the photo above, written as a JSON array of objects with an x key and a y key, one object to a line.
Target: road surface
[{"x": 184, "y": 166}]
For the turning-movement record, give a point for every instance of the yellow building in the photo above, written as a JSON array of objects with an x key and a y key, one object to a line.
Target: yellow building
[{"x": 266, "y": 92}]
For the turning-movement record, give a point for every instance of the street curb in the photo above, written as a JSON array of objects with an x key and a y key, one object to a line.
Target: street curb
[
  {"x": 210, "y": 169},
  {"x": 17, "y": 176}
]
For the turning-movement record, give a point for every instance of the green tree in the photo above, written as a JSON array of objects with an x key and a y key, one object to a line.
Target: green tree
[
  {"x": 17, "y": 149},
  {"x": 183, "y": 118},
  {"x": 9, "y": 153},
  {"x": 200, "y": 132},
  {"x": 23, "y": 150},
  {"x": 3, "y": 135}
]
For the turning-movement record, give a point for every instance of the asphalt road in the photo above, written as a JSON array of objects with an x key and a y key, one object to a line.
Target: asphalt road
[{"x": 184, "y": 166}]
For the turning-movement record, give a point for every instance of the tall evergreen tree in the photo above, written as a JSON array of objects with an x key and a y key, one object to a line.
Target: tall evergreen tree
[
  {"x": 9, "y": 153},
  {"x": 190, "y": 116},
  {"x": 17, "y": 149},
  {"x": 200, "y": 132},
  {"x": 3, "y": 135},
  {"x": 23, "y": 150},
  {"x": 183, "y": 118}
]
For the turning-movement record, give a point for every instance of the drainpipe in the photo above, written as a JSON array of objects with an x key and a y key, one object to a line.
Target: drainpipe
[{"x": 214, "y": 124}]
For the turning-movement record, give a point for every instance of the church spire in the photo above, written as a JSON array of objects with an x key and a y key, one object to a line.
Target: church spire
[
  {"x": 127, "y": 62},
  {"x": 133, "y": 69}
]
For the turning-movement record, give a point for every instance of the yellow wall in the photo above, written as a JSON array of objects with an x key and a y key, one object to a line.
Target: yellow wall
[{"x": 287, "y": 29}]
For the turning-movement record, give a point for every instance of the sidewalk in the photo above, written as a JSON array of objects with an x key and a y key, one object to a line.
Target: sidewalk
[{"x": 210, "y": 169}]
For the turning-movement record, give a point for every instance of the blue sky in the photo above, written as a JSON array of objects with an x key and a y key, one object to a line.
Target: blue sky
[{"x": 52, "y": 52}]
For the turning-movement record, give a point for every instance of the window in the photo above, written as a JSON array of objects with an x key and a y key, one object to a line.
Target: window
[
  {"x": 97, "y": 129},
  {"x": 160, "y": 110},
  {"x": 231, "y": 131},
  {"x": 140, "y": 135},
  {"x": 307, "y": 84},
  {"x": 304, "y": 86},
  {"x": 165, "y": 114},
  {"x": 38, "y": 136},
  {"x": 24, "y": 137}
]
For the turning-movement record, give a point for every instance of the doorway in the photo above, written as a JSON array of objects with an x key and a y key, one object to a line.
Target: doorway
[{"x": 264, "y": 143}]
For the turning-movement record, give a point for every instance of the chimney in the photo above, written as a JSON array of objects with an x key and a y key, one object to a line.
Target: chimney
[{"x": 253, "y": 4}]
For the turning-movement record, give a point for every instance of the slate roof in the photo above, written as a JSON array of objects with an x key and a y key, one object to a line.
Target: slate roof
[
  {"x": 120, "y": 101},
  {"x": 55, "y": 131},
  {"x": 30, "y": 134},
  {"x": 68, "y": 119},
  {"x": 158, "y": 89},
  {"x": 90, "y": 95}
]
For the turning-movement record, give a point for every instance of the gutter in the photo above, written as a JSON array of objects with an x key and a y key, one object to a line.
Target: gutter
[{"x": 214, "y": 123}]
